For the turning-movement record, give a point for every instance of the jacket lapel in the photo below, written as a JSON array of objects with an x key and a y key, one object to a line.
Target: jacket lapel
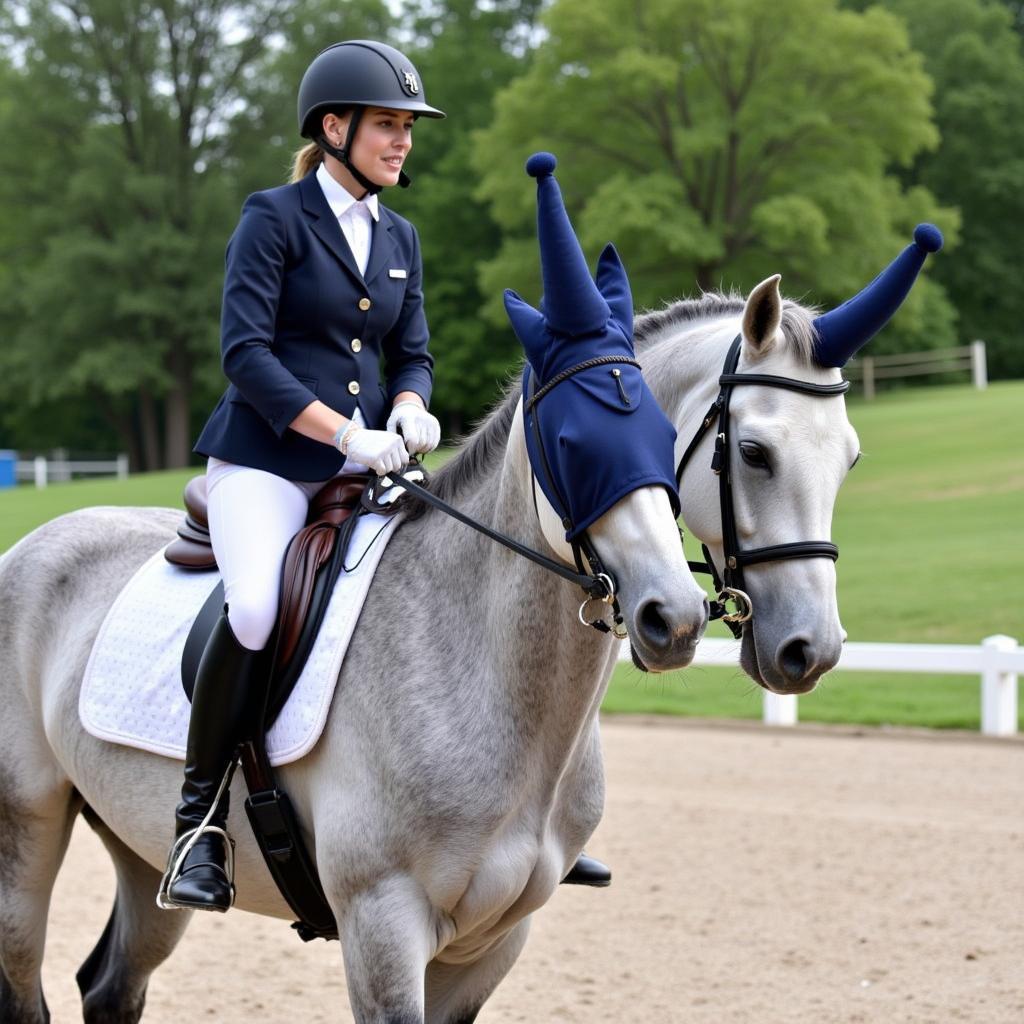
[
  {"x": 382, "y": 245},
  {"x": 325, "y": 225}
]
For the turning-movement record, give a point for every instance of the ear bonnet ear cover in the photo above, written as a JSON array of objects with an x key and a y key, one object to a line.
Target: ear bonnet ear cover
[
  {"x": 843, "y": 331},
  {"x": 602, "y": 432}
]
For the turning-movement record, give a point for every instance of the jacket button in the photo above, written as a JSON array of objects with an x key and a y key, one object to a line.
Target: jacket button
[
  {"x": 364, "y": 304},
  {"x": 356, "y": 344},
  {"x": 353, "y": 387}
]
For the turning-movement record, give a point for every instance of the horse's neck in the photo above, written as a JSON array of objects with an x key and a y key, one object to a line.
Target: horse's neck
[{"x": 536, "y": 661}]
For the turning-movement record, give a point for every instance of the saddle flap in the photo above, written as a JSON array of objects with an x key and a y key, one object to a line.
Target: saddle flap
[{"x": 309, "y": 550}]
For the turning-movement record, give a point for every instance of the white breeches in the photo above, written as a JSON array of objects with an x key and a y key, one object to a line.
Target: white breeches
[{"x": 253, "y": 515}]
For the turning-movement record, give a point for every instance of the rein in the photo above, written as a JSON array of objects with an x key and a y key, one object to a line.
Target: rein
[
  {"x": 599, "y": 585},
  {"x": 731, "y": 585}
]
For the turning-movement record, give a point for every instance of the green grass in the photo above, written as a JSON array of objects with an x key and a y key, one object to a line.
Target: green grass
[
  {"x": 869, "y": 698},
  {"x": 929, "y": 529},
  {"x": 928, "y": 525}
]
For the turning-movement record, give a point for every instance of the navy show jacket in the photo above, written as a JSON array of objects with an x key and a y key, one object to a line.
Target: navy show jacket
[{"x": 299, "y": 322}]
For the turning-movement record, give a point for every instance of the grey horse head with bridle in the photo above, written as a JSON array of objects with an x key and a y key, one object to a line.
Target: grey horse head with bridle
[
  {"x": 776, "y": 464},
  {"x": 839, "y": 335}
]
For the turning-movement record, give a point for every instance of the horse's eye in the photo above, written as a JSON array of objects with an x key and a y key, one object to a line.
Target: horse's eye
[{"x": 753, "y": 455}]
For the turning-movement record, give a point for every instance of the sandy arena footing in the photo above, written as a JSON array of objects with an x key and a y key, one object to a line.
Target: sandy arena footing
[{"x": 761, "y": 876}]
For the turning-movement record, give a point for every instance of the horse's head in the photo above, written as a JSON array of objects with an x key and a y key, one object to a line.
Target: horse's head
[
  {"x": 600, "y": 447},
  {"x": 764, "y": 444}
]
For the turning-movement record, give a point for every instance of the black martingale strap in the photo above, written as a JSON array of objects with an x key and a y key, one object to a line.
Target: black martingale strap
[{"x": 593, "y": 586}]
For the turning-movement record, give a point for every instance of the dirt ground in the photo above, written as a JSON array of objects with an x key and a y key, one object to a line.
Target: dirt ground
[{"x": 767, "y": 876}]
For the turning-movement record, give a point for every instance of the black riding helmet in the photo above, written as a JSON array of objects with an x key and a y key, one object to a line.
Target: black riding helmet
[{"x": 358, "y": 73}]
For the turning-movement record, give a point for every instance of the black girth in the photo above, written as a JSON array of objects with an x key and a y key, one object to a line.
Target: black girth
[{"x": 731, "y": 585}]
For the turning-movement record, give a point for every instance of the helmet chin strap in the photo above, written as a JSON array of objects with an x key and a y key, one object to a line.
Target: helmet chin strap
[{"x": 342, "y": 155}]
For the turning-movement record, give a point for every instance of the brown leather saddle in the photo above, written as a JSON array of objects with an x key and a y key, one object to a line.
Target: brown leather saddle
[{"x": 312, "y": 563}]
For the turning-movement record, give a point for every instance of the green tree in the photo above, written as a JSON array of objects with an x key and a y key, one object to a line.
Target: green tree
[
  {"x": 134, "y": 131},
  {"x": 119, "y": 109},
  {"x": 972, "y": 51},
  {"x": 717, "y": 141}
]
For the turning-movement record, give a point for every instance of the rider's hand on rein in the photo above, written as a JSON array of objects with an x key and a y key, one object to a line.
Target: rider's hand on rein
[
  {"x": 382, "y": 450},
  {"x": 421, "y": 431}
]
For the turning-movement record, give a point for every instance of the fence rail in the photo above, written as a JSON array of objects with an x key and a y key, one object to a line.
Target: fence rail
[
  {"x": 914, "y": 364},
  {"x": 998, "y": 660},
  {"x": 43, "y": 470}
]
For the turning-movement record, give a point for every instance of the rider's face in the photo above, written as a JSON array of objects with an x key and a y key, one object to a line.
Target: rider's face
[{"x": 383, "y": 140}]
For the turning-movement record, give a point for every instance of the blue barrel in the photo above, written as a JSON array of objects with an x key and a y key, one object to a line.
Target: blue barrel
[{"x": 8, "y": 465}]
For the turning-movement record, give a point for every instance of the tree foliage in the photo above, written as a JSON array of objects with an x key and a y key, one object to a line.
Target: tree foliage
[
  {"x": 714, "y": 141},
  {"x": 718, "y": 141},
  {"x": 973, "y": 53},
  {"x": 126, "y": 153}
]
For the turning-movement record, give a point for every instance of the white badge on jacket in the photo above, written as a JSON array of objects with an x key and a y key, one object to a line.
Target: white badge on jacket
[{"x": 397, "y": 273}]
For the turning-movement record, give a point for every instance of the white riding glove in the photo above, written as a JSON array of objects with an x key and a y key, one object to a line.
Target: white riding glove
[
  {"x": 421, "y": 431},
  {"x": 382, "y": 450}
]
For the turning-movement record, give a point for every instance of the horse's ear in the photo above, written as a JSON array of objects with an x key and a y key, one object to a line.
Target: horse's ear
[
  {"x": 762, "y": 315},
  {"x": 613, "y": 284},
  {"x": 529, "y": 325}
]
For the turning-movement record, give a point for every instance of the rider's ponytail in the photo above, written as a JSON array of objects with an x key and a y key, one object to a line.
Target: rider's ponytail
[{"x": 305, "y": 160}]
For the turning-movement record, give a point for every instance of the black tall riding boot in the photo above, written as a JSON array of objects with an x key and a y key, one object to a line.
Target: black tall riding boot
[
  {"x": 229, "y": 692},
  {"x": 588, "y": 871}
]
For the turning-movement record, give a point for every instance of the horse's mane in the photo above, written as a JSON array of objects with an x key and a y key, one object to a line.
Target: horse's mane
[
  {"x": 481, "y": 451},
  {"x": 797, "y": 320},
  {"x": 477, "y": 453}
]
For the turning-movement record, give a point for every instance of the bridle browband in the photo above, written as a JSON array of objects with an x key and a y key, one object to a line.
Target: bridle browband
[{"x": 731, "y": 585}]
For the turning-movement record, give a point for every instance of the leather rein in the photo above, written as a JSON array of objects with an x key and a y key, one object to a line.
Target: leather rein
[
  {"x": 598, "y": 584},
  {"x": 730, "y": 584}
]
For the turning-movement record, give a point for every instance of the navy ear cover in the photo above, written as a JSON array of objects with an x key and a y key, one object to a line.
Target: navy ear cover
[
  {"x": 845, "y": 330},
  {"x": 597, "y": 448},
  {"x": 602, "y": 434}
]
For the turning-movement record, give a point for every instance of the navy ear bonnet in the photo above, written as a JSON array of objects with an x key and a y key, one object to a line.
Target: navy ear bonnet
[
  {"x": 844, "y": 331},
  {"x": 598, "y": 434}
]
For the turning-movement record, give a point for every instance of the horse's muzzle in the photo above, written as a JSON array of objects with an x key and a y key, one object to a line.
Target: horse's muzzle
[{"x": 665, "y": 636}]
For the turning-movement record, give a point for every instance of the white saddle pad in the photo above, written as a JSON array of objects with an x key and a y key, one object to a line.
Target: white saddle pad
[{"x": 132, "y": 690}]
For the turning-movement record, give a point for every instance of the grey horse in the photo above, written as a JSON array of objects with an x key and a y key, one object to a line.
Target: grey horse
[{"x": 459, "y": 773}]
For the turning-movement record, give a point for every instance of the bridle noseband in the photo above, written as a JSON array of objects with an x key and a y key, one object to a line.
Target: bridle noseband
[{"x": 731, "y": 585}]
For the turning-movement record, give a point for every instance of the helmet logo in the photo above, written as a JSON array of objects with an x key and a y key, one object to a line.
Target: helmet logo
[{"x": 410, "y": 81}]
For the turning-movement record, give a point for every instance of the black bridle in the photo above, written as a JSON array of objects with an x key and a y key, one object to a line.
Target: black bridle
[{"x": 730, "y": 585}]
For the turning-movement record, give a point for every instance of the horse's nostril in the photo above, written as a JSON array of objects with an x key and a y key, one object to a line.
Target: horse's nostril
[
  {"x": 795, "y": 659},
  {"x": 653, "y": 624}
]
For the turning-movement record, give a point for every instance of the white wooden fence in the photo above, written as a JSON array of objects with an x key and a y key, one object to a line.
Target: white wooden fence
[
  {"x": 44, "y": 471},
  {"x": 997, "y": 660},
  {"x": 914, "y": 364}
]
